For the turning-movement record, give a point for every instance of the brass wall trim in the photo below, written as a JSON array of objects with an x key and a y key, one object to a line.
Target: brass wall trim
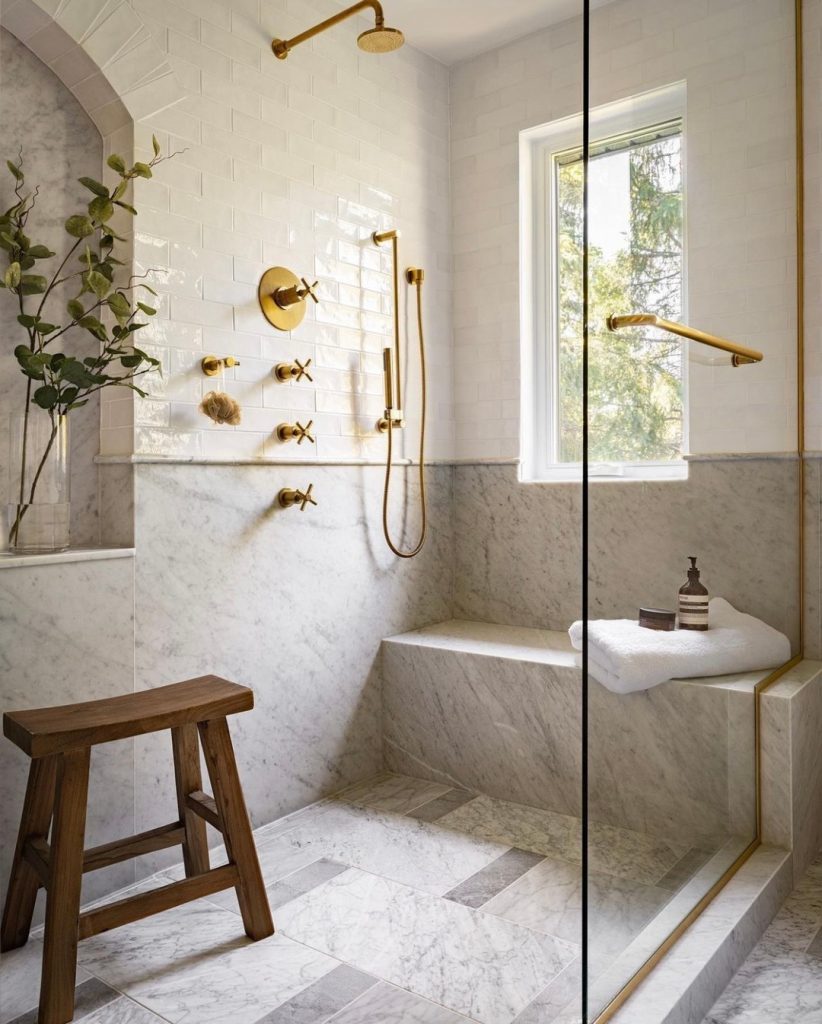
[
  {"x": 212, "y": 365},
  {"x": 289, "y": 497},
  {"x": 741, "y": 354},
  {"x": 283, "y": 296}
]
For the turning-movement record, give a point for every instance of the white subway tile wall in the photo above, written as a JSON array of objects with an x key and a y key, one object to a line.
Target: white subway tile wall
[
  {"x": 737, "y": 60},
  {"x": 289, "y": 163}
]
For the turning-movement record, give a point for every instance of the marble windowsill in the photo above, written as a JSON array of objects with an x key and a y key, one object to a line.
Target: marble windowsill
[{"x": 8, "y": 560}]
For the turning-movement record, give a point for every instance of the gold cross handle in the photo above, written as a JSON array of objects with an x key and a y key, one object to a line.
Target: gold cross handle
[
  {"x": 290, "y": 431},
  {"x": 293, "y": 371},
  {"x": 289, "y": 497}
]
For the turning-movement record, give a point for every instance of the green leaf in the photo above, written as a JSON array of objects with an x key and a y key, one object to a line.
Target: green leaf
[
  {"x": 148, "y": 288},
  {"x": 26, "y": 320},
  {"x": 126, "y": 206},
  {"x": 57, "y": 360},
  {"x": 45, "y": 328},
  {"x": 18, "y": 174},
  {"x": 68, "y": 396},
  {"x": 33, "y": 284},
  {"x": 148, "y": 310},
  {"x": 46, "y": 397},
  {"x": 40, "y": 252},
  {"x": 79, "y": 226},
  {"x": 22, "y": 354},
  {"x": 75, "y": 309},
  {"x": 12, "y": 275},
  {"x": 155, "y": 145},
  {"x": 131, "y": 361},
  {"x": 94, "y": 186},
  {"x": 117, "y": 163},
  {"x": 142, "y": 170},
  {"x": 120, "y": 191},
  {"x": 74, "y": 372},
  {"x": 97, "y": 283},
  {"x": 100, "y": 209},
  {"x": 77, "y": 405},
  {"x": 26, "y": 262}
]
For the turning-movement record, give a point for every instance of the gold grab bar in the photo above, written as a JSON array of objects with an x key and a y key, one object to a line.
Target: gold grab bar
[{"x": 740, "y": 354}]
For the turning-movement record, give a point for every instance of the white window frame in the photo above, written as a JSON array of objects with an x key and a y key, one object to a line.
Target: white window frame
[{"x": 538, "y": 303}]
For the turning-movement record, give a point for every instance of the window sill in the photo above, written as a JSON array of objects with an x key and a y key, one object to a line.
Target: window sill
[{"x": 622, "y": 473}]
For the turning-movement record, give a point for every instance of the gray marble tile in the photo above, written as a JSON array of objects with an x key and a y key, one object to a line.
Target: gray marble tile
[
  {"x": 564, "y": 989},
  {"x": 527, "y": 828},
  {"x": 322, "y": 1000},
  {"x": 312, "y": 596},
  {"x": 468, "y": 961},
  {"x": 815, "y": 948},
  {"x": 195, "y": 963},
  {"x": 436, "y": 809},
  {"x": 632, "y": 855},
  {"x": 300, "y": 882},
  {"x": 42, "y": 629},
  {"x": 491, "y": 880},
  {"x": 20, "y": 980},
  {"x": 385, "y": 1004},
  {"x": 783, "y": 990},
  {"x": 388, "y": 792},
  {"x": 90, "y": 996},
  {"x": 426, "y": 856},
  {"x": 124, "y": 1011}
]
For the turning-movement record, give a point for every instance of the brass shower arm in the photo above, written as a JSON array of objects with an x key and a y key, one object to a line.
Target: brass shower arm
[
  {"x": 281, "y": 47},
  {"x": 740, "y": 354}
]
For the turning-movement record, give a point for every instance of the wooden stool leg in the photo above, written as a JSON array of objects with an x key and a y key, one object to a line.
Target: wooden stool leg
[
  {"x": 63, "y": 902},
  {"x": 188, "y": 778},
  {"x": 24, "y": 882},
  {"x": 239, "y": 842}
]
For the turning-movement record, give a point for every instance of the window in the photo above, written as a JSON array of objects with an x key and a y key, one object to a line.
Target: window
[{"x": 637, "y": 378}]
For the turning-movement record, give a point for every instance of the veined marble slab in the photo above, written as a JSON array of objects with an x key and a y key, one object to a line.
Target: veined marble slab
[{"x": 484, "y": 967}]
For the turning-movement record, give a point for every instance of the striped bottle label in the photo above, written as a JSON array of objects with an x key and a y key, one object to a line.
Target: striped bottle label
[{"x": 693, "y": 610}]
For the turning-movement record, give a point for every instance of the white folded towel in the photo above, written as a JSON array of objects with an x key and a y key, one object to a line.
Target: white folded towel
[{"x": 624, "y": 656}]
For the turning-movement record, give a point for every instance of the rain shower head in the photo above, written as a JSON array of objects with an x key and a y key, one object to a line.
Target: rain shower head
[{"x": 379, "y": 39}]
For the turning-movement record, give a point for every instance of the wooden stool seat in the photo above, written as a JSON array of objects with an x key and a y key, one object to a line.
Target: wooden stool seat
[
  {"x": 59, "y": 741},
  {"x": 52, "y": 730}
]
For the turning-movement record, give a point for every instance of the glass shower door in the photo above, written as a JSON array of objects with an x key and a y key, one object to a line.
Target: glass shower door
[{"x": 692, "y": 475}]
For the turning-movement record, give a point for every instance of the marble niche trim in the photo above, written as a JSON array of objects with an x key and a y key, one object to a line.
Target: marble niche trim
[{"x": 13, "y": 561}]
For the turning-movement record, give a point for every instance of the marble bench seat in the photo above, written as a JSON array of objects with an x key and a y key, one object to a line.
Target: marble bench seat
[{"x": 496, "y": 709}]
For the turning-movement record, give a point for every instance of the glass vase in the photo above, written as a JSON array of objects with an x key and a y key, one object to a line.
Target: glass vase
[{"x": 39, "y": 506}]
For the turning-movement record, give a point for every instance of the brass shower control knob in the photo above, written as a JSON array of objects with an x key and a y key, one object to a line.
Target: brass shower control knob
[
  {"x": 283, "y": 296},
  {"x": 288, "y": 498},
  {"x": 290, "y": 431},
  {"x": 293, "y": 371}
]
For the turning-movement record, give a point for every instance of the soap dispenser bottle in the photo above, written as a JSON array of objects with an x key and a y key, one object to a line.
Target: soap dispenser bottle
[{"x": 693, "y": 601}]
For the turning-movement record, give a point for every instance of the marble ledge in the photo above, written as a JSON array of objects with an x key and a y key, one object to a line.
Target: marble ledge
[
  {"x": 8, "y": 560},
  {"x": 202, "y": 460}
]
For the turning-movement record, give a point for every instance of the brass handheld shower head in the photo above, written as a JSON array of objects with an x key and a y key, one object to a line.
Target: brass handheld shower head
[{"x": 379, "y": 39}]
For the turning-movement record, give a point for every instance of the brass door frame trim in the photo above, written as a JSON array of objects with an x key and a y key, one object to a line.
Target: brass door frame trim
[{"x": 763, "y": 685}]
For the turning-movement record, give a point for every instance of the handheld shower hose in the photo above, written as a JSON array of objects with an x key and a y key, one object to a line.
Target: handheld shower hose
[{"x": 415, "y": 277}]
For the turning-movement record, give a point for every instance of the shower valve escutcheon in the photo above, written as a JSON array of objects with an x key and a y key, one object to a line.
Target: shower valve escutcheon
[
  {"x": 283, "y": 297},
  {"x": 295, "y": 431},
  {"x": 289, "y": 497},
  {"x": 293, "y": 371}
]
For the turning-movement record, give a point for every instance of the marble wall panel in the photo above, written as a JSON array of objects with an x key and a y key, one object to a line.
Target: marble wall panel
[
  {"x": 518, "y": 546},
  {"x": 813, "y": 557},
  {"x": 294, "y": 604},
  {"x": 66, "y": 635},
  {"x": 58, "y": 146}
]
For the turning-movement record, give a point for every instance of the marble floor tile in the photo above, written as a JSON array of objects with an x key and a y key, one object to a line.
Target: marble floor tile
[
  {"x": 90, "y": 996},
  {"x": 436, "y": 809},
  {"x": 527, "y": 828},
  {"x": 633, "y": 855},
  {"x": 123, "y": 1011},
  {"x": 322, "y": 1000},
  {"x": 20, "y": 980},
  {"x": 498, "y": 875},
  {"x": 300, "y": 882},
  {"x": 473, "y": 963},
  {"x": 815, "y": 948},
  {"x": 413, "y": 852},
  {"x": 564, "y": 989},
  {"x": 194, "y": 963},
  {"x": 385, "y": 1004},
  {"x": 548, "y": 898},
  {"x": 684, "y": 869},
  {"x": 389, "y": 792}
]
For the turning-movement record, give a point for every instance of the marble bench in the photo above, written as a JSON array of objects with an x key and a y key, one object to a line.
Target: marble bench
[{"x": 497, "y": 709}]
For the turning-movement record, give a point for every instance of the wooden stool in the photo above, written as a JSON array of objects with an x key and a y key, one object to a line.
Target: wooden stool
[{"x": 59, "y": 741}]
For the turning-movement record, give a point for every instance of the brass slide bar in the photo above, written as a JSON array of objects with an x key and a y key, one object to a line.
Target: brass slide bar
[{"x": 740, "y": 353}]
